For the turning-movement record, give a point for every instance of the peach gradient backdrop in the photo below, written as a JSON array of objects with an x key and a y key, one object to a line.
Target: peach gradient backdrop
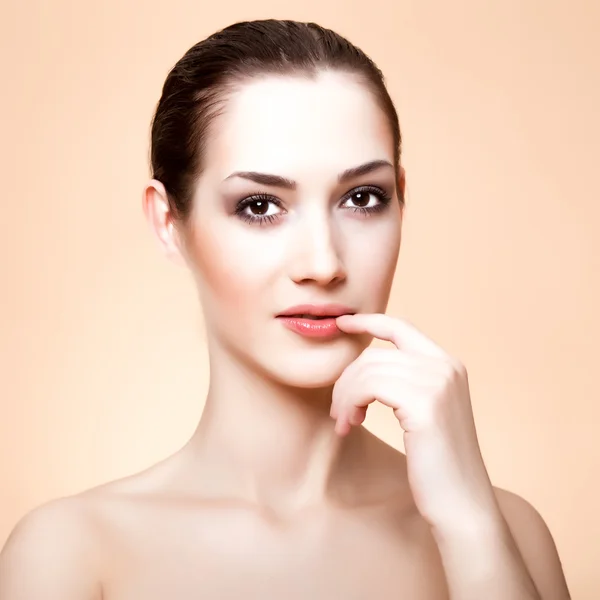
[{"x": 103, "y": 367}]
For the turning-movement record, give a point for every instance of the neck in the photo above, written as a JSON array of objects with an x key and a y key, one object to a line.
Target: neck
[{"x": 271, "y": 444}]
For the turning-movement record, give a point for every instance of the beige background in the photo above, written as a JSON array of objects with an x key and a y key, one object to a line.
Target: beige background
[{"x": 103, "y": 367}]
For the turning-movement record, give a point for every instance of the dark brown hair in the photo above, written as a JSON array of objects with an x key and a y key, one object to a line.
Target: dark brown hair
[{"x": 196, "y": 87}]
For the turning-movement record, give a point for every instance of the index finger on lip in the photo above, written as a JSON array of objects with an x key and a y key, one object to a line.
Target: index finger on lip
[{"x": 391, "y": 329}]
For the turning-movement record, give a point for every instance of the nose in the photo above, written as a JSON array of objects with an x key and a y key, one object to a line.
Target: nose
[{"x": 315, "y": 253}]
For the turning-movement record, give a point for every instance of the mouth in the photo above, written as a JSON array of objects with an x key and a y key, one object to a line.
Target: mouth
[
  {"x": 313, "y": 317},
  {"x": 317, "y": 312},
  {"x": 315, "y": 321}
]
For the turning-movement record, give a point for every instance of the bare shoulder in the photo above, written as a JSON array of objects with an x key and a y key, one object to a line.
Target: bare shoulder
[
  {"x": 62, "y": 549},
  {"x": 52, "y": 553},
  {"x": 536, "y": 544}
]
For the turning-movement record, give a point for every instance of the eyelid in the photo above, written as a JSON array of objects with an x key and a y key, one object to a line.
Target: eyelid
[
  {"x": 366, "y": 187},
  {"x": 384, "y": 197},
  {"x": 246, "y": 200},
  {"x": 262, "y": 195}
]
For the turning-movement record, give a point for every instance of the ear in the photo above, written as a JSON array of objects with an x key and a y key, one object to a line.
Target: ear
[
  {"x": 402, "y": 181},
  {"x": 155, "y": 204}
]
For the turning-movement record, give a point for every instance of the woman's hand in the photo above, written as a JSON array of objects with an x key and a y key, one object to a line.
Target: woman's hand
[{"x": 428, "y": 391}]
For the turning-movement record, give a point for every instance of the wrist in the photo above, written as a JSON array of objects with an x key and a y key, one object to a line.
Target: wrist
[{"x": 475, "y": 527}]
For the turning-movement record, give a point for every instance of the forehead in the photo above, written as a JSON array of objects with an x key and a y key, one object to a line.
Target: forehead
[{"x": 298, "y": 127}]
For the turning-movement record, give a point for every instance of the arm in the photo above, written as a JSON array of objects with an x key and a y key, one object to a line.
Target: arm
[
  {"x": 512, "y": 556},
  {"x": 51, "y": 555}
]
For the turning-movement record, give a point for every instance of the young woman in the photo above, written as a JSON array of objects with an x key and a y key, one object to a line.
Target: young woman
[{"x": 277, "y": 180}]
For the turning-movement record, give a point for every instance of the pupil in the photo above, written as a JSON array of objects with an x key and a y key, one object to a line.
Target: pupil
[
  {"x": 361, "y": 199},
  {"x": 261, "y": 207}
]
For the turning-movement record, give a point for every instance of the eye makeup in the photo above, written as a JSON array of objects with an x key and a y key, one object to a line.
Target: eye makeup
[{"x": 261, "y": 202}]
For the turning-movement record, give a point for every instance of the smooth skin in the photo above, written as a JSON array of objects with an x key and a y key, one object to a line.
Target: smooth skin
[{"x": 281, "y": 492}]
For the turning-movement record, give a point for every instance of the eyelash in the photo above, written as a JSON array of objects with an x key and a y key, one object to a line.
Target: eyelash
[{"x": 383, "y": 196}]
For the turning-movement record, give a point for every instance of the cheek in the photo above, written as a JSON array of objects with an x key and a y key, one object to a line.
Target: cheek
[
  {"x": 373, "y": 257},
  {"x": 227, "y": 272}
]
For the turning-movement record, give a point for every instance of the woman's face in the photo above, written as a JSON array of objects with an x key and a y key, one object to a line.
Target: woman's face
[{"x": 257, "y": 247}]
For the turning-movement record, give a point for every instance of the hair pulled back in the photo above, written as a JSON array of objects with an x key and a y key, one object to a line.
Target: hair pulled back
[{"x": 196, "y": 88}]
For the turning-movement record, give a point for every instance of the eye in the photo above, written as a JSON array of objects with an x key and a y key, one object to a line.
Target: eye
[
  {"x": 259, "y": 209},
  {"x": 367, "y": 199}
]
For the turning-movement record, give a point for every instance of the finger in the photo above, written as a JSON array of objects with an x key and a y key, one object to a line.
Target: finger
[
  {"x": 348, "y": 420},
  {"x": 407, "y": 400},
  {"x": 398, "y": 331},
  {"x": 394, "y": 361},
  {"x": 342, "y": 427},
  {"x": 347, "y": 380},
  {"x": 358, "y": 415},
  {"x": 375, "y": 364},
  {"x": 353, "y": 402}
]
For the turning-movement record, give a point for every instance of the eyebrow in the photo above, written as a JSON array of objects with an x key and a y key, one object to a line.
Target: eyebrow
[{"x": 283, "y": 182}]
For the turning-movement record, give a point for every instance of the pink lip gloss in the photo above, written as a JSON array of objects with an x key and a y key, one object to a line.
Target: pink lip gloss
[{"x": 316, "y": 328}]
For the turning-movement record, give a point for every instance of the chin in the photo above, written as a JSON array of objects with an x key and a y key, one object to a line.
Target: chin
[{"x": 312, "y": 368}]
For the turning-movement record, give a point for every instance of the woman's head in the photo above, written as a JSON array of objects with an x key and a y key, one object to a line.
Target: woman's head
[{"x": 255, "y": 146}]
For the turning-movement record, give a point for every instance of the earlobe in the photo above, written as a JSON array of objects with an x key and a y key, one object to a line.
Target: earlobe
[{"x": 155, "y": 204}]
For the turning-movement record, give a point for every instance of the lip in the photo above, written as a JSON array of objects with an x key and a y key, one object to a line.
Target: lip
[
  {"x": 315, "y": 328},
  {"x": 318, "y": 310}
]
